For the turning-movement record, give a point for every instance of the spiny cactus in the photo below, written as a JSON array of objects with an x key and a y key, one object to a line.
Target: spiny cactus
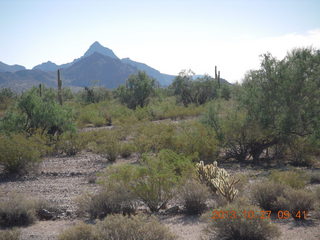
[
  {"x": 218, "y": 180},
  {"x": 40, "y": 90},
  {"x": 59, "y": 88},
  {"x": 217, "y": 75}
]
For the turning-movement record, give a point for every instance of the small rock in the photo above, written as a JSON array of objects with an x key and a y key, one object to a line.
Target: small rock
[
  {"x": 45, "y": 214},
  {"x": 173, "y": 210}
]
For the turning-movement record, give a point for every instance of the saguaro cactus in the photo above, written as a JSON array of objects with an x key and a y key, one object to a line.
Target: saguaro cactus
[
  {"x": 59, "y": 88},
  {"x": 217, "y": 75},
  {"x": 40, "y": 90},
  {"x": 218, "y": 180}
]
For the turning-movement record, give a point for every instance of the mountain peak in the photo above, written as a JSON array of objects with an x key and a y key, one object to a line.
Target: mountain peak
[
  {"x": 96, "y": 43},
  {"x": 97, "y": 47},
  {"x": 46, "y": 66}
]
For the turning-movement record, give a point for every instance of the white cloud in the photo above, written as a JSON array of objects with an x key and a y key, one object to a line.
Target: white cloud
[
  {"x": 244, "y": 54},
  {"x": 233, "y": 57}
]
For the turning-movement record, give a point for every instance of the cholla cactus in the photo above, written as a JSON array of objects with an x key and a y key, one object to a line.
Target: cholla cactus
[{"x": 218, "y": 180}]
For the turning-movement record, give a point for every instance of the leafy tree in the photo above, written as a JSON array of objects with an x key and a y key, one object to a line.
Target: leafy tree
[
  {"x": 280, "y": 103},
  {"x": 197, "y": 91},
  {"x": 182, "y": 86},
  {"x": 6, "y": 97},
  {"x": 137, "y": 91},
  {"x": 284, "y": 96},
  {"x": 33, "y": 113}
]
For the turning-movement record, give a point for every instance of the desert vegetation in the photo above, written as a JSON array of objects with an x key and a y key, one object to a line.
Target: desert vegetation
[{"x": 169, "y": 151}]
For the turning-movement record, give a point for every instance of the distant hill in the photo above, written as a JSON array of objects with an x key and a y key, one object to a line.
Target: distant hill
[
  {"x": 98, "y": 66},
  {"x": 47, "y": 66},
  {"x": 10, "y": 68},
  {"x": 98, "y": 69},
  {"x": 22, "y": 80},
  {"x": 163, "y": 79}
]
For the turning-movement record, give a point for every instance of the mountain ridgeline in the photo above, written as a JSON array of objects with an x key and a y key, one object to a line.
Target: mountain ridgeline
[{"x": 98, "y": 66}]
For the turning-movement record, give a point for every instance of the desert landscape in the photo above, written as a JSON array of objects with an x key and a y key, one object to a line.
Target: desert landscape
[{"x": 222, "y": 143}]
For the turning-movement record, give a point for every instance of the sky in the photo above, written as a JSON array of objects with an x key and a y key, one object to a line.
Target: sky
[{"x": 167, "y": 35}]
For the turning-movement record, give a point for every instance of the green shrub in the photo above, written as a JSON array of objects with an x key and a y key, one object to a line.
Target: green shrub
[
  {"x": 140, "y": 227},
  {"x": 94, "y": 95},
  {"x": 154, "y": 181},
  {"x": 298, "y": 202},
  {"x": 91, "y": 114},
  {"x": 241, "y": 228},
  {"x": 12, "y": 234},
  {"x": 194, "y": 196},
  {"x": 126, "y": 149},
  {"x": 265, "y": 194},
  {"x": 70, "y": 144},
  {"x": 19, "y": 154},
  {"x": 17, "y": 211},
  {"x": 295, "y": 179},
  {"x": 115, "y": 198},
  {"x": 7, "y": 97},
  {"x": 301, "y": 152},
  {"x": 107, "y": 143},
  {"x": 152, "y": 137},
  {"x": 80, "y": 231},
  {"x": 193, "y": 138},
  {"x": 158, "y": 177},
  {"x": 111, "y": 150},
  {"x": 168, "y": 109},
  {"x": 34, "y": 113}
]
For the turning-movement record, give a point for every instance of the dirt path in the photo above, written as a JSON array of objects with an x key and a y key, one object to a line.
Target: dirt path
[{"x": 60, "y": 180}]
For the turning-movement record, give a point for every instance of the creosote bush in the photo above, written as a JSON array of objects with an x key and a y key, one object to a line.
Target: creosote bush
[
  {"x": 115, "y": 198},
  {"x": 12, "y": 234},
  {"x": 140, "y": 227},
  {"x": 119, "y": 227},
  {"x": 241, "y": 228},
  {"x": 126, "y": 149},
  {"x": 19, "y": 153},
  {"x": 91, "y": 114},
  {"x": 298, "y": 202},
  {"x": 70, "y": 144},
  {"x": 194, "y": 196},
  {"x": 295, "y": 179},
  {"x": 190, "y": 138},
  {"x": 107, "y": 143},
  {"x": 152, "y": 137},
  {"x": 80, "y": 231},
  {"x": 265, "y": 194},
  {"x": 17, "y": 211}
]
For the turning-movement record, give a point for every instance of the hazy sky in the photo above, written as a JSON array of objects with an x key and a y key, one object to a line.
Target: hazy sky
[{"x": 167, "y": 35}]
